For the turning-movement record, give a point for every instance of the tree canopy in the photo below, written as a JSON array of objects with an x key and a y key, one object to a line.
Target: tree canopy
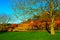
[{"x": 25, "y": 9}]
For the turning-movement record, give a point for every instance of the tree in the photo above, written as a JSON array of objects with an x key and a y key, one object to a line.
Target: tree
[
  {"x": 25, "y": 7},
  {"x": 4, "y": 19},
  {"x": 53, "y": 5},
  {"x": 52, "y": 17}
]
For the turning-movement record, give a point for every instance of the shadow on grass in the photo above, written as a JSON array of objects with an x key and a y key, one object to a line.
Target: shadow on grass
[
  {"x": 48, "y": 30},
  {"x": 1, "y": 32}
]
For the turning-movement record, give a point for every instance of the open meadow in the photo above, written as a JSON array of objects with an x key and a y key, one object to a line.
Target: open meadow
[{"x": 29, "y": 36}]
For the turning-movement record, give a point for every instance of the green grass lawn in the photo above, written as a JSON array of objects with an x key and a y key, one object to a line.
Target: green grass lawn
[{"x": 29, "y": 36}]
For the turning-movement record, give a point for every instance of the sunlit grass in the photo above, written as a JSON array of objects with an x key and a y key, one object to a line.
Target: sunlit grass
[{"x": 29, "y": 36}]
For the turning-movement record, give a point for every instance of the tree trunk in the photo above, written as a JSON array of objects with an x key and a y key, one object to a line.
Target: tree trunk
[
  {"x": 52, "y": 26},
  {"x": 52, "y": 17}
]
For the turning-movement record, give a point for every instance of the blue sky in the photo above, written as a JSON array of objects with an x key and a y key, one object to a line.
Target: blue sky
[{"x": 5, "y": 8}]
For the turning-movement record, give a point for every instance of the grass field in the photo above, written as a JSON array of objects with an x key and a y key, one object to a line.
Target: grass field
[{"x": 29, "y": 36}]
